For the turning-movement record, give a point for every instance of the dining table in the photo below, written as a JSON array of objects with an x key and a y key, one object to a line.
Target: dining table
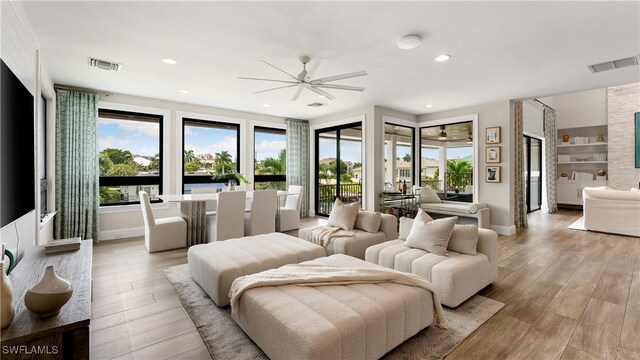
[{"x": 193, "y": 211}]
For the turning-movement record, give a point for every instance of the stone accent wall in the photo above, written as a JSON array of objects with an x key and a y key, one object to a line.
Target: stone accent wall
[{"x": 622, "y": 102}]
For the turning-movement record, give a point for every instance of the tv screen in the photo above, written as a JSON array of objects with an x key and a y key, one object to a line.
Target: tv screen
[{"x": 17, "y": 178}]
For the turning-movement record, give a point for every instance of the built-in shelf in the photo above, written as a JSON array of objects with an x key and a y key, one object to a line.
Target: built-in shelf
[
  {"x": 578, "y": 145},
  {"x": 583, "y": 162}
]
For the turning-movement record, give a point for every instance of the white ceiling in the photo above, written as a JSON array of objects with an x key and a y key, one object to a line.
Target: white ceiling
[{"x": 500, "y": 50}]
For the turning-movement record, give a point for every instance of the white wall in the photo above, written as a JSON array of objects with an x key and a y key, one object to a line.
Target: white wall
[
  {"x": 126, "y": 221},
  {"x": 584, "y": 108},
  {"x": 498, "y": 196},
  {"x": 623, "y": 101},
  {"x": 19, "y": 52}
]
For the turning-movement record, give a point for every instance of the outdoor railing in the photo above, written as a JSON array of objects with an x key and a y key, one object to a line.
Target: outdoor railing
[{"x": 327, "y": 193}]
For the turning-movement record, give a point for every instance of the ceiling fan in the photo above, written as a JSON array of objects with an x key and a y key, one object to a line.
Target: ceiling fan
[{"x": 303, "y": 80}]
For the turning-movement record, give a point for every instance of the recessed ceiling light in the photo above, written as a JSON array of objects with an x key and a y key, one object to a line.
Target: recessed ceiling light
[
  {"x": 266, "y": 105},
  {"x": 322, "y": 97},
  {"x": 169, "y": 61},
  {"x": 409, "y": 42},
  {"x": 429, "y": 105},
  {"x": 443, "y": 58},
  {"x": 184, "y": 91}
]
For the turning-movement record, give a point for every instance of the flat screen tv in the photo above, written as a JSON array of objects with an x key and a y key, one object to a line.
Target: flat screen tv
[{"x": 17, "y": 178}]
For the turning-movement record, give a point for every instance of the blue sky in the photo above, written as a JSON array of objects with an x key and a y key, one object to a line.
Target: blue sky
[
  {"x": 349, "y": 150},
  {"x": 269, "y": 145},
  {"x": 141, "y": 138}
]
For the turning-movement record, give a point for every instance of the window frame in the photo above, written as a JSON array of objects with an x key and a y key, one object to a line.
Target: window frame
[
  {"x": 201, "y": 179},
  {"x": 44, "y": 182},
  {"x": 136, "y": 180},
  {"x": 267, "y": 178},
  {"x": 413, "y": 176}
]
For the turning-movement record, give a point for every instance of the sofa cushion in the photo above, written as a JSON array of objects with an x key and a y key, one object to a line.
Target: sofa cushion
[
  {"x": 454, "y": 207},
  {"x": 464, "y": 239},
  {"x": 368, "y": 221},
  {"x": 430, "y": 235},
  {"x": 344, "y": 216},
  {"x": 405, "y": 227},
  {"x": 427, "y": 195}
]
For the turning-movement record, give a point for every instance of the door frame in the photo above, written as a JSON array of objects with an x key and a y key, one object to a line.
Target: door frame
[{"x": 527, "y": 142}]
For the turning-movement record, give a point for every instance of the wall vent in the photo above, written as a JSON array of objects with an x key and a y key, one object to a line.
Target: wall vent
[
  {"x": 105, "y": 65},
  {"x": 614, "y": 64},
  {"x": 316, "y": 104}
]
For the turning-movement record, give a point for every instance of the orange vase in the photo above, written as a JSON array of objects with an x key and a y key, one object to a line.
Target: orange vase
[{"x": 565, "y": 138}]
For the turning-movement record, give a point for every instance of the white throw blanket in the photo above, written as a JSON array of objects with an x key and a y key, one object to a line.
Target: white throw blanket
[
  {"x": 321, "y": 235},
  {"x": 326, "y": 275}
]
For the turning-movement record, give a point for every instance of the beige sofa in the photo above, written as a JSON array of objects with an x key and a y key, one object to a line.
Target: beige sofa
[
  {"x": 455, "y": 276},
  {"x": 612, "y": 211},
  {"x": 357, "y": 244}
]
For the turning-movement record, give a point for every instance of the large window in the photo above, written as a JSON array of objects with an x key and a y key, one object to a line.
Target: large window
[
  {"x": 130, "y": 156},
  {"x": 42, "y": 155},
  {"x": 447, "y": 160},
  {"x": 270, "y": 148},
  {"x": 399, "y": 157},
  {"x": 210, "y": 148}
]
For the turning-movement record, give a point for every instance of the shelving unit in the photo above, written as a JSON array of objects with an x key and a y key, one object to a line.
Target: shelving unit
[{"x": 579, "y": 160}]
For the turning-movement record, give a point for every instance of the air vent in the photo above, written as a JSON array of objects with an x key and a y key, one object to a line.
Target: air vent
[
  {"x": 316, "y": 104},
  {"x": 105, "y": 65},
  {"x": 614, "y": 64}
]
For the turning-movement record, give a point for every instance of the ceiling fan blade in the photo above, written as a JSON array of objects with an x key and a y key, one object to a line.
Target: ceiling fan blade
[
  {"x": 297, "y": 95},
  {"x": 274, "y": 80},
  {"x": 321, "y": 92},
  {"x": 339, "y": 87},
  {"x": 338, "y": 77},
  {"x": 277, "y": 68},
  {"x": 314, "y": 67},
  {"x": 276, "y": 88}
]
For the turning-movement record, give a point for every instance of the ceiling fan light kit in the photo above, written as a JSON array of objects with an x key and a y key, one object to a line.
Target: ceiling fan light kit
[
  {"x": 304, "y": 80},
  {"x": 409, "y": 42}
]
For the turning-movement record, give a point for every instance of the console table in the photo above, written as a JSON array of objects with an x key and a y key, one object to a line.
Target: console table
[{"x": 62, "y": 336}]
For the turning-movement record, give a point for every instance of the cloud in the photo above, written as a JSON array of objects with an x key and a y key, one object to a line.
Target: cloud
[
  {"x": 132, "y": 127},
  {"x": 227, "y": 143},
  {"x": 112, "y": 142},
  {"x": 274, "y": 145}
]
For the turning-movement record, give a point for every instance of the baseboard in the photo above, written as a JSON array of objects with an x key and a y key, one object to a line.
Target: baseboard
[
  {"x": 504, "y": 230},
  {"x": 120, "y": 233}
]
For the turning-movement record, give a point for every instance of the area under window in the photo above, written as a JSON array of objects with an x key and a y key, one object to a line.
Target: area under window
[
  {"x": 270, "y": 157},
  {"x": 447, "y": 164},
  {"x": 210, "y": 148},
  {"x": 130, "y": 156}
]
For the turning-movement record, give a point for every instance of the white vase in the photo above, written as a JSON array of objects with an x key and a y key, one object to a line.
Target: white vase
[
  {"x": 48, "y": 296},
  {"x": 7, "y": 312}
]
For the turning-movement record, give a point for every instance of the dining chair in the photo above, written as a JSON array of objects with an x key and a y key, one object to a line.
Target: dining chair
[
  {"x": 164, "y": 233},
  {"x": 290, "y": 213},
  {"x": 210, "y": 205},
  {"x": 262, "y": 218},
  {"x": 228, "y": 222}
]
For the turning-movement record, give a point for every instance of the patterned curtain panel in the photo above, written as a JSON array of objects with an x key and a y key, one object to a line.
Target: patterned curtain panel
[
  {"x": 550, "y": 157},
  {"x": 298, "y": 161},
  {"x": 77, "y": 190},
  {"x": 518, "y": 143}
]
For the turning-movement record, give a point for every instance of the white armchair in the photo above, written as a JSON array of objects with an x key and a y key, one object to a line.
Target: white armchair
[
  {"x": 228, "y": 221},
  {"x": 262, "y": 218},
  {"x": 290, "y": 213},
  {"x": 161, "y": 234}
]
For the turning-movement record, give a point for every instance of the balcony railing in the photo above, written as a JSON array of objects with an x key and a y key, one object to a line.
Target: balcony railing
[
  {"x": 327, "y": 193},
  {"x": 454, "y": 187}
]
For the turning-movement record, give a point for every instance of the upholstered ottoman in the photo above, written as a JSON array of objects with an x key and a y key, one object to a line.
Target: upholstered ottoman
[
  {"x": 350, "y": 321},
  {"x": 214, "y": 266}
]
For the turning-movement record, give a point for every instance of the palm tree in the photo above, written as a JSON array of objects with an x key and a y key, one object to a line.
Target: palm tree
[
  {"x": 223, "y": 160},
  {"x": 189, "y": 156},
  {"x": 458, "y": 174}
]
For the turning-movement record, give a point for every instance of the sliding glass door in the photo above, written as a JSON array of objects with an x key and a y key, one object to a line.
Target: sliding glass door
[
  {"x": 533, "y": 173},
  {"x": 338, "y": 166}
]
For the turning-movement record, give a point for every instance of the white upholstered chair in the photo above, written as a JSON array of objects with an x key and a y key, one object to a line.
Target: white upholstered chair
[
  {"x": 290, "y": 213},
  {"x": 228, "y": 222},
  {"x": 262, "y": 218},
  {"x": 211, "y": 205},
  {"x": 161, "y": 234}
]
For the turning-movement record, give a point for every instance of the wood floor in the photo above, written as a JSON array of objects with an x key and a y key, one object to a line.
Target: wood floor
[{"x": 569, "y": 295}]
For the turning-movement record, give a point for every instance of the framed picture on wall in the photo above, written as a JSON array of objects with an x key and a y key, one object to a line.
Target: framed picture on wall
[
  {"x": 492, "y": 174},
  {"x": 493, "y": 154},
  {"x": 492, "y": 135},
  {"x": 637, "y": 139}
]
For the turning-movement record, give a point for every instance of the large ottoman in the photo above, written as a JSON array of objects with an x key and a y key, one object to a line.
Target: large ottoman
[
  {"x": 214, "y": 266},
  {"x": 356, "y": 321}
]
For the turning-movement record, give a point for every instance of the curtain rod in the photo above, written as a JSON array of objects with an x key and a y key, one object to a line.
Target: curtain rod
[
  {"x": 543, "y": 104},
  {"x": 77, "y": 88}
]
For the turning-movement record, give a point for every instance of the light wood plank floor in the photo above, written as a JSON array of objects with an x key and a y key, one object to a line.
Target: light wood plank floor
[{"x": 568, "y": 294}]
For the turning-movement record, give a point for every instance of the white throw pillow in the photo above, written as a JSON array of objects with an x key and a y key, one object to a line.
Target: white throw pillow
[
  {"x": 405, "y": 227},
  {"x": 368, "y": 221},
  {"x": 432, "y": 236},
  {"x": 427, "y": 195},
  {"x": 464, "y": 239},
  {"x": 343, "y": 215},
  {"x": 633, "y": 189}
]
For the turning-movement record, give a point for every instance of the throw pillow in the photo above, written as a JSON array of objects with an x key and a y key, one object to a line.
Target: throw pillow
[
  {"x": 368, "y": 221},
  {"x": 464, "y": 239},
  {"x": 405, "y": 227},
  {"x": 427, "y": 195},
  {"x": 343, "y": 215},
  {"x": 432, "y": 236}
]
